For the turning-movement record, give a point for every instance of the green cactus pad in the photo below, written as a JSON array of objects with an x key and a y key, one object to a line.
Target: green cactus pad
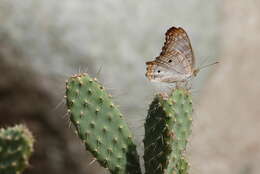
[
  {"x": 167, "y": 128},
  {"x": 101, "y": 126},
  {"x": 16, "y": 146}
]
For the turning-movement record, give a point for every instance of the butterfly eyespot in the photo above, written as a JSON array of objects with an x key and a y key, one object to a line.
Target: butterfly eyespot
[
  {"x": 170, "y": 61},
  {"x": 158, "y": 71}
]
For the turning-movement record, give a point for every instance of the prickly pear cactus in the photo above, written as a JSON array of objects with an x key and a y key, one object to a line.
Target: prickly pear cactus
[
  {"x": 101, "y": 126},
  {"x": 167, "y": 128},
  {"x": 16, "y": 146}
]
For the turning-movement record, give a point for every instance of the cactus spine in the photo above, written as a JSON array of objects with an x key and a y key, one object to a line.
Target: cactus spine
[
  {"x": 101, "y": 127},
  {"x": 16, "y": 146}
]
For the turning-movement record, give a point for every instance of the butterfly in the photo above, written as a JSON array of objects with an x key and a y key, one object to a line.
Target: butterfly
[{"x": 176, "y": 62}]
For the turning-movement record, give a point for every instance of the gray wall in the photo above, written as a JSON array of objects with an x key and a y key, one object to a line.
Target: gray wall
[{"x": 112, "y": 40}]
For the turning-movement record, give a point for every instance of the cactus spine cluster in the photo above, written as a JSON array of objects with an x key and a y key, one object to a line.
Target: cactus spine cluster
[
  {"x": 16, "y": 146},
  {"x": 101, "y": 127}
]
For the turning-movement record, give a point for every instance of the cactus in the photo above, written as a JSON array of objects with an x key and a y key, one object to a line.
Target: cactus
[
  {"x": 16, "y": 146},
  {"x": 167, "y": 128},
  {"x": 101, "y": 127}
]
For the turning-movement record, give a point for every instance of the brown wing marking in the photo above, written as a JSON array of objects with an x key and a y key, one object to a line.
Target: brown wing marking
[{"x": 150, "y": 70}]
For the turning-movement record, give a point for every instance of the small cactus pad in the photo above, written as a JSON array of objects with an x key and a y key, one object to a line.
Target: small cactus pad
[
  {"x": 100, "y": 125},
  {"x": 167, "y": 128},
  {"x": 16, "y": 146}
]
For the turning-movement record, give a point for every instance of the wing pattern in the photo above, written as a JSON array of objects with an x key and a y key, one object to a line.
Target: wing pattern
[
  {"x": 176, "y": 60},
  {"x": 177, "y": 40}
]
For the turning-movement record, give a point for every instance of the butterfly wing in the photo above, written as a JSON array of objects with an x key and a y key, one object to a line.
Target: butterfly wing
[
  {"x": 176, "y": 60},
  {"x": 177, "y": 40}
]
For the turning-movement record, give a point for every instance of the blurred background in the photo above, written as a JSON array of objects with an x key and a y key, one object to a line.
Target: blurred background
[{"x": 43, "y": 42}]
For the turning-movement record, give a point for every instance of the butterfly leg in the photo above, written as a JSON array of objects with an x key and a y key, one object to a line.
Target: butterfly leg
[
  {"x": 188, "y": 85},
  {"x": 164, "y": 95},
  {"x": 184, "y": 84},
  {"x": 180, "y": 84}
]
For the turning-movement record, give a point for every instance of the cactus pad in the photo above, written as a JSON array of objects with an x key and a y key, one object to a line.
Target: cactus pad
[
  {"x": 167, "y": 128},
  {"x": 16, "y": 146},
  {"x": 100, "y": 125}
]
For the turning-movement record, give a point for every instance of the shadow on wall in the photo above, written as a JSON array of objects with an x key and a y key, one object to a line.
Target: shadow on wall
[{"x": 27, "y": 97}]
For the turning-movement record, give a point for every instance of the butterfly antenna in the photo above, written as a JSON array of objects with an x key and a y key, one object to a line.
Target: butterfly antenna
[
  {"x": 203, "y": 61},
  {"x": 205, "y": 66},
  {"x": 195, "y": 72}
]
